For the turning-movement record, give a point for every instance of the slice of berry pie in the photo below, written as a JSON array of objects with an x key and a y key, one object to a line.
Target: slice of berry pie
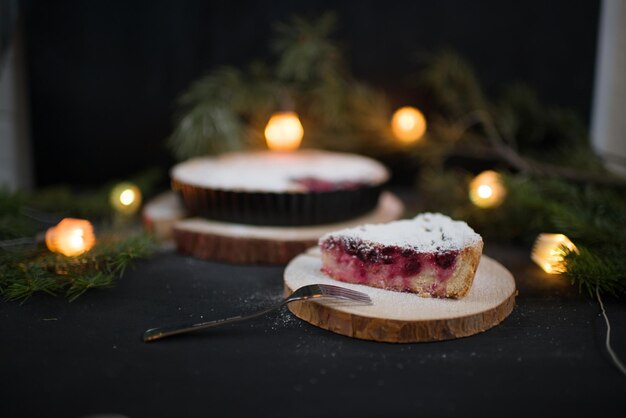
[{"x": 430, "y": 255}]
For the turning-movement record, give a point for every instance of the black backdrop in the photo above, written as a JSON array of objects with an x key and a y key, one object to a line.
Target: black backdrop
[{"x": 104, "y": 74}]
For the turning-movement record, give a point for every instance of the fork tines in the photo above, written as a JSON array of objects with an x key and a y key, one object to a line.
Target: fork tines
[{"x": 342, "y": 292}]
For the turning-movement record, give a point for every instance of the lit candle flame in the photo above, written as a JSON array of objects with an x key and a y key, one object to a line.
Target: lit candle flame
[
  {"x": 548, "y": 252},
  {"x": 284, "y": 132},
  {"x": 71, "y": 237},
  {"x": 408, "y": 124},
  {"x": 486, "y": 190}
]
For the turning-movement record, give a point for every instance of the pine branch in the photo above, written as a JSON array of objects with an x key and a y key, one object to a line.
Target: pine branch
[
  {"x": 208, "y": 123},
  {"x": 307, "y": 54},
  {"x": 528, "y": 166},
  {"x": 33, "y": 269},
  {"x": 81, "y": 284},
  {"x": 591, "y": 269},
  {"x": 228, "y": 109},
  {"x": 593, "y": 217},
  {"x": 24, "y": 214},
  {"x": 22, "y": 284},
  {"x": 517, "y": 122},
  {"x": 452, "y": 84}
]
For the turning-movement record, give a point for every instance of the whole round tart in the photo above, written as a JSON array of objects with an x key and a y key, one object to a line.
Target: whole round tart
[{"x": 307, "y": 187}]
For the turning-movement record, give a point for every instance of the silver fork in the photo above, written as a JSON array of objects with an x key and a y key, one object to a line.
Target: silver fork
[{"x": 312, "y": 291}]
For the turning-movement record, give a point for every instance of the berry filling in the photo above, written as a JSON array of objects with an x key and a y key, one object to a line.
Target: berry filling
[
  {"x": 389, "y": 267},
  {"x": 313, "y": 184}
]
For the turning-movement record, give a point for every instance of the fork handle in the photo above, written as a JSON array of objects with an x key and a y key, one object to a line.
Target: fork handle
[{"x": 158, "y": 333}]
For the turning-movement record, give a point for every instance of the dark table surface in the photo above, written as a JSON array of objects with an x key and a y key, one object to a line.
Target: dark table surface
[{"x": 86, "y": 358}]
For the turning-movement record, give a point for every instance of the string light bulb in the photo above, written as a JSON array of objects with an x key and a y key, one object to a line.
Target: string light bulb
[
  {"x": 408, "y": 124},
  {"x": 486, "y": 190},
  {"x": 549, "y": 250},
  {"x": 71, "y": 237},
  {"x": 126, "y": 198},
  {"x": 284, "y": 131}
]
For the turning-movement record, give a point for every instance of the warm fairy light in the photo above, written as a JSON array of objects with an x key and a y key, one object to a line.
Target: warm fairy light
[
  {"x": 548, "y": 252},
  {"x": 126, "y": 198},
  {"x": 487, "y": 190},
  {"x": 408, "y": 124},
  {"x": 284, "y": 132},
  {"x": 71, "y": 237},
  {"x": 484, "y": 191}
]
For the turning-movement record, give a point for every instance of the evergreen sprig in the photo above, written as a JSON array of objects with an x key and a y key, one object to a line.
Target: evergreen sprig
[
  {"x": 594, "y": 218},
  {"x": 218, "y": 112},
  {"x": 598, "y": 267},
  {"x": 23, "y": 214},
  {"x": 27, "y": 267},
  {"x": 32, "y": 269},
  {"x": 553, "y": 180},
  {"x": 228, "y": 109}
]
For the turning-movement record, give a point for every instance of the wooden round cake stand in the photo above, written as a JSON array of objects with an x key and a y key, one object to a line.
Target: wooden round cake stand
[
  {"x": 404, "y": 317},
  {"x": 161, "y": 213},
  {"x": 252, "y": 244}
]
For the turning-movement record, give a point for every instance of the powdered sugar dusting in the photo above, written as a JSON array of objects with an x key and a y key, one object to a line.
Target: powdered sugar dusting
[
  {"x": 428, "y": 232},
  {"x": 278, "y": 172}
]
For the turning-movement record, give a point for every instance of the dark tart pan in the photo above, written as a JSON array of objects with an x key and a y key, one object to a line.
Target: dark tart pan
[{"x": 278, "y": 209}]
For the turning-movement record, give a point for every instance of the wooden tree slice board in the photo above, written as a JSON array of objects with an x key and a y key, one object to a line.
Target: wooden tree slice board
[
  {"x": 403, "y": 317},
  {"x": 251, "y": 244}
]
